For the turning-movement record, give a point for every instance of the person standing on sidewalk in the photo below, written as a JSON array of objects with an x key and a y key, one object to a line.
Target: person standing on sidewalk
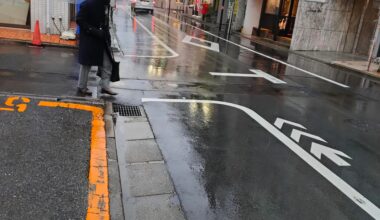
[{"x": 94, "y": 44}]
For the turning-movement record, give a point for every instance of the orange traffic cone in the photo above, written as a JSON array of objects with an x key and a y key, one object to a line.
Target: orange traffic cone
[{"x": 36, "y": 35}]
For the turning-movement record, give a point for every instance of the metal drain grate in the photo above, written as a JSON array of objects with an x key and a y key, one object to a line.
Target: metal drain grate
[{"x": 127, "y": 110}]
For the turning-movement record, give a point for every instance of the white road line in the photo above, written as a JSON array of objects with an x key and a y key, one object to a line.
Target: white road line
[
  {"x": 267, "y": 76},
  {"x": 174, "y": 54},
  {"x": 213, "y": 47},
  {"x": 258, "y": 74},
  {"x": 266, "y": 56},
  {"x": 234, "y": 74},
  {"x": 339, "y": 183}
]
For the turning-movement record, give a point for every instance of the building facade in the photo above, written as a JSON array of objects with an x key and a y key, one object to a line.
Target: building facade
[
  {"x": 336, "y": 25},
  {"x": 348, "y": 26}
]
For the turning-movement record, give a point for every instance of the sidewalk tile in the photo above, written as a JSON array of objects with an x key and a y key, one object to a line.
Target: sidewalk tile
[
  {"x": 154, "y": 207},
  {"x": 142, "y": 151},
  {"x": 148, "y": 179}
]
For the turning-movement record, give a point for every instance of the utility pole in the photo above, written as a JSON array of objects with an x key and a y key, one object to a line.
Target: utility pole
[
  {"x": 375, "y": 44},
  {"x": 221, "y": 15},
  {"x": 230, "y": 16},
  {"x": 170, "y": 1}
]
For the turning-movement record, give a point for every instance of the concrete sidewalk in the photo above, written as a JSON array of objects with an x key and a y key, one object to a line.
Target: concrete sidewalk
[{"x": 147, "y": 188}]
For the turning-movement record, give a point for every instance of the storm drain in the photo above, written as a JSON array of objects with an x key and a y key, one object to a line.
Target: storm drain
[{"x": 127, "y": 110}]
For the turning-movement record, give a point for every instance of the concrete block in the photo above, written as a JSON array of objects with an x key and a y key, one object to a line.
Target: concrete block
[
  {"x": 108, "y": 109},
  {"x": 137, "y": 131},
  {"x": 110, "y": 132},
  {"x": 156, "y": 207},
  {"x": 116, "y": 207},
  {"x": 111, "y": 149},
  {"x": 148, "y": 179},
  {"x": 114, "y": 178},
  {"x": 135, "y": 119},
  {"x": 142, "y": 151}
]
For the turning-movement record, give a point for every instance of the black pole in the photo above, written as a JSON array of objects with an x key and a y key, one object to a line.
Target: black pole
[
  {"x": 221, "y": 16},
  {"x": 277, "y": 21},
  {"x": 170, "y": 1},
  {"x": 263, "y": 7},
  {"x": 289, "y": 21},
  {"x": 229, "y": 20}
]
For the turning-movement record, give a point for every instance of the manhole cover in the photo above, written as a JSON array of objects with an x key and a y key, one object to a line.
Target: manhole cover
[{"x": 127, "y": 110}]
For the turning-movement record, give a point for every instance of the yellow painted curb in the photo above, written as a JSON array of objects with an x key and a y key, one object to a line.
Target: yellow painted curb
[{"x": 98, "y": 195}]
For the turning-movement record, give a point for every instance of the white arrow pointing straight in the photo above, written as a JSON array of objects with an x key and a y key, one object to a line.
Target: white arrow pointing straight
[{"x": 332, "y": 154}]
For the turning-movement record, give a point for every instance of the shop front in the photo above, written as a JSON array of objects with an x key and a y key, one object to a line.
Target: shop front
[
  {"x": 15, "y": 13},
  {"x": 278, "y": 18}
]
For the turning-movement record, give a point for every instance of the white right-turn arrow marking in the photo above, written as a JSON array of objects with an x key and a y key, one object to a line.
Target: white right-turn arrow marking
[
  {"x": 280, "y": 122},
  {"x": 296, "y": 135},
  {"x": 332, "y": 154},
  {"x": 334, "y": 179}
]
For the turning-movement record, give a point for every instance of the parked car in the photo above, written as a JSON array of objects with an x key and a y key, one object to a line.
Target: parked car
[{"x": 146, "y": 5}]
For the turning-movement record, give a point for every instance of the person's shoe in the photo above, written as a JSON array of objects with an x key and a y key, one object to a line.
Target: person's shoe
[
  {"x": 84, "y": 92},
  {"x": 108, "y": 91}
]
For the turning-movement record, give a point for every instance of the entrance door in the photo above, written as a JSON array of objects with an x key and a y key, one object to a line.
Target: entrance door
[
  {"x": 278, "y": 18},
  {"x": 287, "y": 17},
  {"x": 15, "y": 13}
]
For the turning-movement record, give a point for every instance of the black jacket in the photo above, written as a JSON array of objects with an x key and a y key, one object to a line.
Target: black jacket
[{"x": 94, "y": 36}]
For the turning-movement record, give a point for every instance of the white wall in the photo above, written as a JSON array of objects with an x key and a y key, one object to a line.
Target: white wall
[
  {"x": 38, "y": 12},
  {"x": 58, "y": 8},
  {"x": 252, "y": 16},
  {"x": 14, "y": 12}
]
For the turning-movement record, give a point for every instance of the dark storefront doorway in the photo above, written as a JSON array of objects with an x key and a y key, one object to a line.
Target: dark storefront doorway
[
  {"x": 15, "y": 13},
  {"x": 278, "y": 18}
]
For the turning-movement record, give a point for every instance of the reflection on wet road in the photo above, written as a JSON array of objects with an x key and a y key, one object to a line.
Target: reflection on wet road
[{"x": 224, "y": 164}]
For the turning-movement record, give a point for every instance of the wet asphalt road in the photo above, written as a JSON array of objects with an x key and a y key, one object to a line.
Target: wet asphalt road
[
  {"x": 44, "y": 160},
  {"x": 38, "y": 71},
  {"x": 224, "y": 164}
]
